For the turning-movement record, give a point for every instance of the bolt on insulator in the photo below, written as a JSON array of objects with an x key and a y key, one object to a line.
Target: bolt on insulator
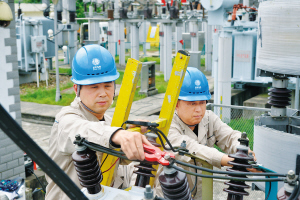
[
  {"x": 244, "y": 135},
  {"x": 167, "y": 157},
  {"x": 291, "y": 174},
  {"x": 148, "y": 194}
]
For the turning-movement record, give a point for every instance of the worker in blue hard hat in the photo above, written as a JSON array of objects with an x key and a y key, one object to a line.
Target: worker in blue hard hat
[
  {"x": 93, "y": 73},
  {"x": 200, "y": 128}
]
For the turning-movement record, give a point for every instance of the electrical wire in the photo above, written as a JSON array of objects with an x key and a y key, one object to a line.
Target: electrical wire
[
  {"x": 111, "y": 166},
  {"x": 228, "y": 173},
  {"x": 103, "y": 160},
  {"x": 119, "y": 154},
  {"x": 269, "y": 192},
  {"x": 228, "y": 177},
  {"x": 44, "y": 189},
  {"x": 296, "y": 192},
  {"x": 196, "y": 179}
]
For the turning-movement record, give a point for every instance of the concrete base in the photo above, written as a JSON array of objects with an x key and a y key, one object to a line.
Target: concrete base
[
  {"x": 32, "y": 183},
  {"x": 31, "y": 77},
  {"x": 150, "y": 92}
]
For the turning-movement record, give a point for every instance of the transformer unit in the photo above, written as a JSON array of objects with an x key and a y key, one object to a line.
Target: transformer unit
[{"x": 31, "y": 40}]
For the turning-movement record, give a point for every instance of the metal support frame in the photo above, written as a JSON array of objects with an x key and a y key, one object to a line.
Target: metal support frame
[
  {"x": 161, "y": 46},
  {"x": 72, "y": 45},
  {"x": 134, "y": 40},
  {"x": 117, "y": 34},
  {"x": 110, "y": 38},
  {"x": 224, "y": 72},
  {"x": 208, "y": 47},
  {"x": 178, "y": 45},
  {"x": 167, "y": 64},
  {"x": 57, "y": 94},
  {"x": 193, "y": 26},
  {"x": 122, "y": 43}
]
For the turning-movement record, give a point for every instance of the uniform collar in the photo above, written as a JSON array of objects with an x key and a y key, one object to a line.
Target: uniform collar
[{"x": 77, "y": 104}]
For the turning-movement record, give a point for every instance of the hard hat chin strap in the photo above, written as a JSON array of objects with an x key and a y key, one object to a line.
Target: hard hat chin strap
[
  {"x": 87, "y": 108},
  {"x": 186, "y": 123},
  {"x": 78, "y": 90}
]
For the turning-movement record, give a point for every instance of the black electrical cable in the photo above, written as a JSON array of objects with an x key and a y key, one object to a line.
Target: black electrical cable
[
  {"x": 293, "y": 194},
  {"x": 229, "y": 173},
  {"x": 156, "y": 131},
  {"x": 196, "y": 179},
  {"x": 103, "y": 160},
  {"x": 106, "y": 151},
  {"x": 101, "y": 147},
  {"x": 298, "y": 193},
  {"x": 269, "y": 192},
  {"x": 44, "y": 189},
  {"x": 228, "y": 177}
]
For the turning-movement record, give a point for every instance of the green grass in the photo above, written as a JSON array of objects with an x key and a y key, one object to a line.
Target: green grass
[
  {"x": 44, "y": 95},
  {"x": 152, "y": 48},
  {"x": 67, "y": 71},
  {"x": 142, "y": 59}
]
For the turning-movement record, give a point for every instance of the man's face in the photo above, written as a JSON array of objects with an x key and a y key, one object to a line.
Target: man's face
[
  {"x": 191, "y": 112},
  {"x": 98, "y": 97}
]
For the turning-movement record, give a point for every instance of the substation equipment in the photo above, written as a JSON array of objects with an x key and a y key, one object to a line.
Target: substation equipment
[
  {"x": 164, "y": 14},
  {"x": 234, "y": 46},
  {"x": 33, "y": 48},
  {"x": 36, "y": 40},
  {"x": 277, "y": 134},
  {"x": 173, "y": 179}
]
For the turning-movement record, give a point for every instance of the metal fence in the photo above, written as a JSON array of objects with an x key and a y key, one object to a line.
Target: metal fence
[{"x": 239, "y": 118}]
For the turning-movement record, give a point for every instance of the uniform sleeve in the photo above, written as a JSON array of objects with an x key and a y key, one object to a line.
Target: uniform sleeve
[
  {"x": 209, "y": 154},
  {"x": 227, "y": 138},
  {"x": 72, "y": 124}
]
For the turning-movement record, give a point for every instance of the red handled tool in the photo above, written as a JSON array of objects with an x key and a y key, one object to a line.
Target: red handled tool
[{"x": 154, "y": 154}]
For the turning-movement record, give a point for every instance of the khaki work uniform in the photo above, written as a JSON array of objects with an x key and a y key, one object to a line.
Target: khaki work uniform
[
  {"x": 211, "y": 130},
  {"x": 69, "y": 122}
]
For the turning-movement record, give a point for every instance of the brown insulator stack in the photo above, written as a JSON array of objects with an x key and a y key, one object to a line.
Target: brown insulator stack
[
  {"x": 174, "y": 184},
  {"x": 88, "y": 170},
  {"x": 236, "y": 189}
]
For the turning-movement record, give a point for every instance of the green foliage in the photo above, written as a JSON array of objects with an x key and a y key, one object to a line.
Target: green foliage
[
  {"x": 47, "y": 96},
  {"x": 203, "y": 62},
  {"x": 80, "y": 11}
]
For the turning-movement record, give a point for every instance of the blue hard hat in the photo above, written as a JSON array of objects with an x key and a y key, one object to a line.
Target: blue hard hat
[
  {"x": 93, "y": 64},
  {"x": 195, "y": 86}
]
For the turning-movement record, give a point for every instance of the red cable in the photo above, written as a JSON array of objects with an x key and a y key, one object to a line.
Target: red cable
[{"x": 111, "y": 166}]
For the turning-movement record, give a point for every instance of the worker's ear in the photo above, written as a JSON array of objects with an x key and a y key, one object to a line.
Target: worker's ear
[
  {"x": 115, "y": 90},
  {"x": 76, "y": 89},
  {"x": 177, "y": 104}
]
